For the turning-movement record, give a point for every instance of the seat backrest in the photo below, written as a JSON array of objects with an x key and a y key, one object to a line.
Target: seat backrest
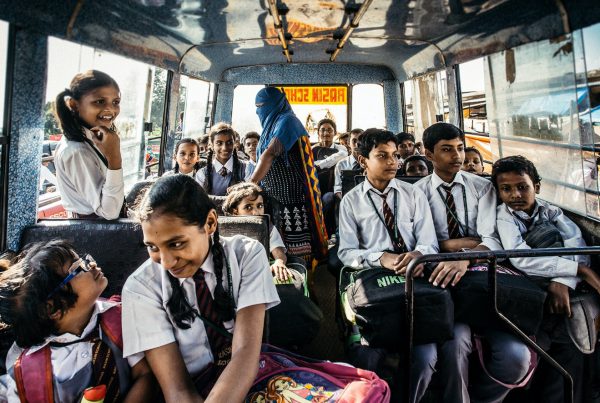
[
  {"x": 118, "y": 245},
  {"x": 348, "y": 182}
]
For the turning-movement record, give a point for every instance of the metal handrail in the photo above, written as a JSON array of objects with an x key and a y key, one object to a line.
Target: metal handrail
[{"x": 491, "y": 257}]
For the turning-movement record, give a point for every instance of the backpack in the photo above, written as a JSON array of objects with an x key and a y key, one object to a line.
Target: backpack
[
  {"x": 33, "y": 372},
  {"x": 284, "y": 376},
  {"x": 377, "y": 297},
  {"x": 296, "y": 320}
]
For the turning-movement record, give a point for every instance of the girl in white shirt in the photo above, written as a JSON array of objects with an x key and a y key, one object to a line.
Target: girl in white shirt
[
  {"x": 88, "y": 159},
  {"x": 197, "y": 288},
  {"x": 187, "y": 157},
  {"x": 248, "y": 199}
]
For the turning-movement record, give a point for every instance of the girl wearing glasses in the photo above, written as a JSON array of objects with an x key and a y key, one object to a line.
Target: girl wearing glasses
[
  {"x": 66, "y": 338},
  {"x": 196, "y": 307}
]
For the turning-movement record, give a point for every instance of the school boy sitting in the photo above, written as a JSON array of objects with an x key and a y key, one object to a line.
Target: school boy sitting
[
  {"x": 521, "y": 218},
  {"x": 463, "y": 206},
  {"x": 387, "y": 223},
  {"x": 348, "y": 163}
]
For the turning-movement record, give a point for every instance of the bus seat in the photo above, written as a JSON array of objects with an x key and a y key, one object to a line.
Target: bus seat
[{"x": 118, "y": 245}]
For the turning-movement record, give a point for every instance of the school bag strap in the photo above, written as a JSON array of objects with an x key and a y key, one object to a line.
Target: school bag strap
[
  {"x": 110, "y": 323},
  {"x": 37, "y": 368}
]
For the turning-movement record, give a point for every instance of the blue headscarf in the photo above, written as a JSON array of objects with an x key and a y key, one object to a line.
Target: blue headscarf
[{"x": 277, "y": 120}]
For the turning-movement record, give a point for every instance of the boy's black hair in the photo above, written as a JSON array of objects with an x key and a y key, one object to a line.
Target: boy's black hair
[
  {"x": 204, "y": 139},
  {"x": 187, "y": 140},
  {"x": 356, "y": 131},
  {"x": 403, "y": 136},
  {"x": 441, "y": 131},
  {"x": 24, "y": 290},
  {"x": 252, "y": 135},
  {"x": 326, "y": 120},
  {"x": 371, "y": 138},
  {"x": 417, "y": 158},
  {"x": 474, "y": 150},
  {"x": 515, "y": 163},
  {"x": 184, "y": 198},
  {"x": 82, "y": 83}
]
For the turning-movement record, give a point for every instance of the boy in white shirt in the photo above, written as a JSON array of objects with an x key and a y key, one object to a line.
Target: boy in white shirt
[
  {"x": 464, "y": 211},
  {"x": 387, "y": 223},
  {"x": 348, "y": 163},
  {"x": 520, "y": 213}
]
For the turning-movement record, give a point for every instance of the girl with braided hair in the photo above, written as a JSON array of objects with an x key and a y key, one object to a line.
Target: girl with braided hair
[
  {"x": 181, "y": 306},
  {"x": 223, "y": 167}
]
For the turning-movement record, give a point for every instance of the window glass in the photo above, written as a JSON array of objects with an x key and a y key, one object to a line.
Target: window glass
[
  {"x": 367, "y": 106},
  {"x": 532, "y": 106},
  {"x": 472, "y": 84},
  {"x": 196, "y": 109},
  {"x": 155, "y": 118},
  {"x": 409, "y": 117},
  {"x": 429, "y": 101},
  {"x": 135, "y": 79},
  {"x": 243, "y": 114}
]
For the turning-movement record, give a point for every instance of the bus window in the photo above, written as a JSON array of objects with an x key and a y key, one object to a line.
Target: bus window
[
  {"x": 65, "y": 59},
  {"x": 196, "y": 96},
  {"x": 429, "y": 103},
  {"x": 409, "y": 116},
  {"x": 155, "y": 117},
  {"x": 368, "y": 109},
  {"x": 243, "y": 115},
  {"x": 472, "y": 84},
  {"x": 3, "y": 137},
  {"x": 532, "y": 105}
]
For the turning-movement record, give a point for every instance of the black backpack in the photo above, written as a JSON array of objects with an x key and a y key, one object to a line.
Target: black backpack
[{"x": 378, "y": 299}]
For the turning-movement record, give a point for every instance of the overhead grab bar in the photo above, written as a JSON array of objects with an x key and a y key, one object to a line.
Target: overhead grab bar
[
  {"x": 279, "y": 28},
  {"x": 350, "y": 28}
]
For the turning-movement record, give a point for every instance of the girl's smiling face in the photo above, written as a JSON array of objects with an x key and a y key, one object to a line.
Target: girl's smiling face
[
  {"x": 187, "y": 156},
  {"x": 250, "y": 207},
  {"x": 179, "y": 247},
  {"x": 223, "y": 146},
  {"x": 99, "y": 107}
]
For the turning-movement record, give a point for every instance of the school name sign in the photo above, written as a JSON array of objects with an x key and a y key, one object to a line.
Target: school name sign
[{"x": 316, "y": 95}]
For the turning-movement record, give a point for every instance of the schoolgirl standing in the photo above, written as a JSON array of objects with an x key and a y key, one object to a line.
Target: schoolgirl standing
[
  {"x": 180, "y": 306},
  {"x": 223, "y": 167},
  {"x": 88, "y": 159}
]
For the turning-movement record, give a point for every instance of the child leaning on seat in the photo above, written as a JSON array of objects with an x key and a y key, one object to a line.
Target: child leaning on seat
[
  {"x": 248, "y": 199},
  {"x": 526, "y": 222},
  {"x": 50, "y": 299}
]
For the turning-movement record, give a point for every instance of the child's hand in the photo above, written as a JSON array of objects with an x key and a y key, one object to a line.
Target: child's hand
[
  {"x": 404, "y": 260},
  {"x": 447, "y": 272},
  {"x": 589, "y": 276},
  {"x": 559, "y": 298},
  {"x": 455, "y": 245},
  {"x": 108, "y": 142},
  {"x": 280, "y": 270}
]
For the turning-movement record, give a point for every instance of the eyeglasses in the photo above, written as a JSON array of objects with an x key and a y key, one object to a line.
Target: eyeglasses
[
  {"x": 325, "y": 130},
  {"x": 80, "y": 265}
]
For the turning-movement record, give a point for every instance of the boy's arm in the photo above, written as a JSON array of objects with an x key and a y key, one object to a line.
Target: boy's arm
[
  {"x": 486, "y": 220},
  {"x": 337, "y": 185},
  {"x": 143, "y": 384}
]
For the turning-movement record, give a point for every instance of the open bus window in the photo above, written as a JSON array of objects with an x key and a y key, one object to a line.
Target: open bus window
[
  {"x": 243, "y": 115},
  {"x": 426, "y": 102},
  {"x": 135, "y": 79},
  {"x": 472, "y": 84},
  {"x": 532, "y": 108},
  {"x": 194, "y": 109},
  {"x": 368, "y": 109}
]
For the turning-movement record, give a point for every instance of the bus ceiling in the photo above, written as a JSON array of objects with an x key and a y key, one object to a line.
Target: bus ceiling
[{"x": 207, "y": 38}]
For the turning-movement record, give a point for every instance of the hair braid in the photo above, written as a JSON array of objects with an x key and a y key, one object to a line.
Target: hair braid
[
  {"x": 178, "y": 305},
  {"x": 235, "y": 177},
  {"x": 209, "y": 169},
  {"x": 224, "y": 304},
  {"x": 69, "y": 122}
]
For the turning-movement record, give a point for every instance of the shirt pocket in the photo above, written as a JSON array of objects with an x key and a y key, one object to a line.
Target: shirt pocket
[{"x": 72, "y": 389}]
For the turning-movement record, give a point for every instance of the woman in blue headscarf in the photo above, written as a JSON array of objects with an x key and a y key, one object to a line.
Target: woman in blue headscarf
[{"x": 286, "y": 171}]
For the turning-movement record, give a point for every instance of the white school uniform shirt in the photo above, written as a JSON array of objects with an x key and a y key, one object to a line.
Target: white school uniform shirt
[
  {"x": 344, "y": 165},
  {"x": 66, "y": 360},
  {"x": 480, "y": 196},
  {"x": 46, "y": 175},
  {"x": 85, "y": 184},
  {"x": 333, "y": 159},
  {"x": 148, "y": 324},
  {"x": 364, "y": 236},
  {"x": 275, "y": 240},
  {"x": 561, "y": 269},
  {"x": 201, "y": 174}
]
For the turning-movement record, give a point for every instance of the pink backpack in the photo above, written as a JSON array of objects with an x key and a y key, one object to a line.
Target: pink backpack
[{"x": 286, "y": 377}]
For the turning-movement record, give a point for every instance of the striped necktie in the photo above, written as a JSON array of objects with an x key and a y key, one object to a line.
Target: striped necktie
[
  {"x": 453, "y": 224},
  {"x": 223, "y": 171},
  {"x": 219, "y": 344},
  {"x": 104, "y": 369},
  {"x": 390, "y": 224}
]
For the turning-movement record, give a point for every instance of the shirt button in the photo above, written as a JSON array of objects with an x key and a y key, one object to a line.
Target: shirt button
[{"x": 84, "y": 355}]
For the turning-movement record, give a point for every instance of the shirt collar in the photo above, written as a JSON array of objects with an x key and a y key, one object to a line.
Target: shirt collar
[
  {"x": 436, "y": 181},
  {"x": 100, "y": 306},
  {"x": 538, "y": 209},
  {"x": 229, "y": 164},
  {"x": 368, "y": 186}
]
